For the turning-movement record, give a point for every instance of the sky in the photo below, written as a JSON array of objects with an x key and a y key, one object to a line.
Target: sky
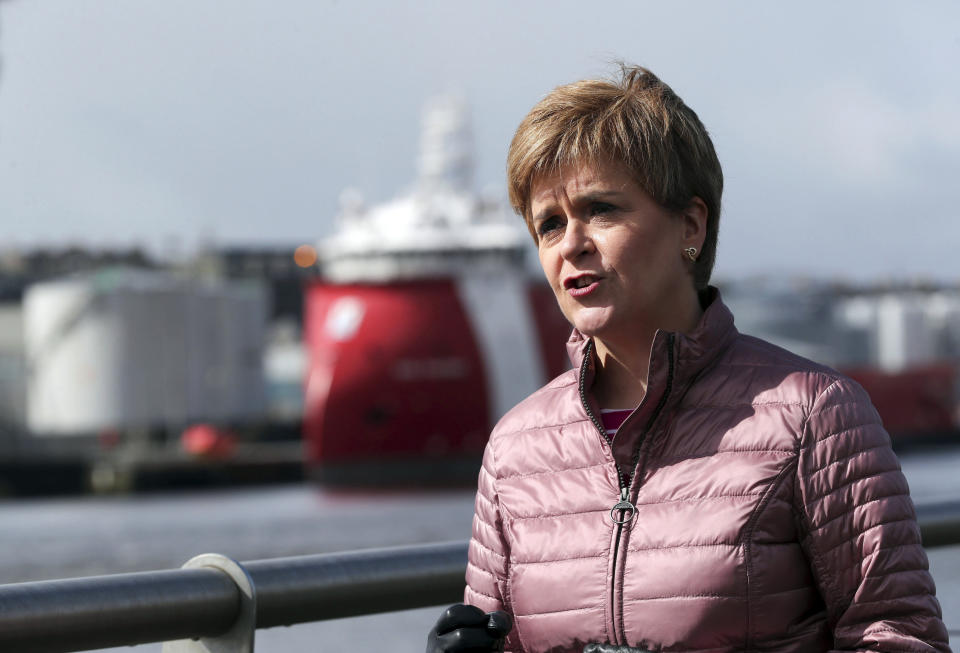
[{"x": 169, "y": 124}]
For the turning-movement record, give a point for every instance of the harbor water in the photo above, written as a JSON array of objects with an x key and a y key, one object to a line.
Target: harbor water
[{"x": 82, "y": 536}]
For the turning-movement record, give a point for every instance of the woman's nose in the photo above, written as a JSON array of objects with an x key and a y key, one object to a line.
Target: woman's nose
[{"x": 576, "y": 241}]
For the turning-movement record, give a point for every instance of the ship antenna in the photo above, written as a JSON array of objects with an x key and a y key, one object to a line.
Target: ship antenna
[{"x": 446, "y": 145}]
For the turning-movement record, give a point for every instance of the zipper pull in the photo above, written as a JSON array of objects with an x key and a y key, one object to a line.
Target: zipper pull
[{"x": 627, "y": 509}]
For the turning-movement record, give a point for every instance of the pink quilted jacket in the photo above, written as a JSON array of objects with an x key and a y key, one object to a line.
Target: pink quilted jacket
[{"x": 764, "y": 511}]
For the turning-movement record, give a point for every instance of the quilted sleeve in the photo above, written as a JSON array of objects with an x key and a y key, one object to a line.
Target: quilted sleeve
[
  {"x": 487, "y": 555},
  {"x": 860, "y": 530}
]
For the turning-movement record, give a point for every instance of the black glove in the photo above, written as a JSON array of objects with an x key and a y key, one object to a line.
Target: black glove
[
  {"x": 597, "y": 647},
  {"x": 466, "y": 628}
]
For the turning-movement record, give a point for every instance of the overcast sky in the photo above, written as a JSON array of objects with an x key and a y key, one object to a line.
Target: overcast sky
[{"x": 166, "y": 122}]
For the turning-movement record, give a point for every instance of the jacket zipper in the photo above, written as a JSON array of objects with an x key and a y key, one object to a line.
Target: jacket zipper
[
  {"x": 668, "y": 386},
  {"x": 624, "y": 490},
  {"x": 623, "y": 509}
]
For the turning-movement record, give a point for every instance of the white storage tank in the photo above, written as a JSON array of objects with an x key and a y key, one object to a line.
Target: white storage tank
[
  {"x": 943, "y": 311},
  {"x": 856, "y": 318},
  {"x": 905, "y": 336},
  {"x": 123, "y": 349}
]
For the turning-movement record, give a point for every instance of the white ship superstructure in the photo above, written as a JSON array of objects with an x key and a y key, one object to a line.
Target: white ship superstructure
[{"x": 440, "y": 228}]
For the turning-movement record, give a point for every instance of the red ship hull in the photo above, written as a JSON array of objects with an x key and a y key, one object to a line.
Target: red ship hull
[{"x": 399, "y": 387}]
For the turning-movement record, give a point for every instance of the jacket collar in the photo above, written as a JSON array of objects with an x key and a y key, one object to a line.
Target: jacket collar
[{"x": 692, "y": 351}]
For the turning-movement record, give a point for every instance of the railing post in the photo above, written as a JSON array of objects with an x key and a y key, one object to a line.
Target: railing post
[{"x": 239, "y": 638}]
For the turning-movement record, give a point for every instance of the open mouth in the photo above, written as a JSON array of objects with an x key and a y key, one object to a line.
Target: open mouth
[
  {"x": 580, "y": 282},
  {"x": 581, "y": 286}
]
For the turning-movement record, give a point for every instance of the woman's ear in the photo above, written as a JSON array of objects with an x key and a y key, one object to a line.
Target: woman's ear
[{"x": 695, "y": 223}]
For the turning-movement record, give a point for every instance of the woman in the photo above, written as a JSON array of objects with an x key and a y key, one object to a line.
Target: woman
[{"x": 748, "y": 500}]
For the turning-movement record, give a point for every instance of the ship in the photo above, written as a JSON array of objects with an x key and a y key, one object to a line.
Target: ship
[{"x": 426, "y": 326}]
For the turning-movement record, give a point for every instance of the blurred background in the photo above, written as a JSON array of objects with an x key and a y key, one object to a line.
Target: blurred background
[{"x": 261, "y": 291}]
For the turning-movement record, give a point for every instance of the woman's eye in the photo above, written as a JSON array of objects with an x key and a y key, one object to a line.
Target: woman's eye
[
  {"x": 600, "y": 208},
  {"x": 548, "y": 225}
]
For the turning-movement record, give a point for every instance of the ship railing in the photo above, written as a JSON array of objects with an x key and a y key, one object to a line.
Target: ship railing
[{"x": 214, "y": 604}]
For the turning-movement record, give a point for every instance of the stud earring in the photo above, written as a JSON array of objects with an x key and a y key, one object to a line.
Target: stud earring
[{"x": 691, "y": 253}]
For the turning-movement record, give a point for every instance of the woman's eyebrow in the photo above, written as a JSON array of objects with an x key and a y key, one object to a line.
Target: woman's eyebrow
[{"x": 598, "y": 196}]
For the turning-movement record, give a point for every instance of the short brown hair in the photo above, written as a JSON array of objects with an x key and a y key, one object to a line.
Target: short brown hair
[{"x": 636, "y": 120}]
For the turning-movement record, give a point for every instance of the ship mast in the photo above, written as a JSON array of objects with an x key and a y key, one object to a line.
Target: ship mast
[{"x": 446, "y": 146}]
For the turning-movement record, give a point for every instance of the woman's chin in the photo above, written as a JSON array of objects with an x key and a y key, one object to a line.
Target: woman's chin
[{"x": 592, "y": 328}]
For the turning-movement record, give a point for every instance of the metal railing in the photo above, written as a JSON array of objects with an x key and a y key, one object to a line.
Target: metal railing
[
  {"x": 219, "y": 602},
  {"x": 939, "y": 523},
  {"x": 204, "y": 602}
]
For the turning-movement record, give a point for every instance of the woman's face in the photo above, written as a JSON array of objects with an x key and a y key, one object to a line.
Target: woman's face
[{"x": 613, "y": 256}]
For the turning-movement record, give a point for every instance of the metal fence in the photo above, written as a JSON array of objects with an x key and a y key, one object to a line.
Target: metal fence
[{"x": 214, "y": 604}]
